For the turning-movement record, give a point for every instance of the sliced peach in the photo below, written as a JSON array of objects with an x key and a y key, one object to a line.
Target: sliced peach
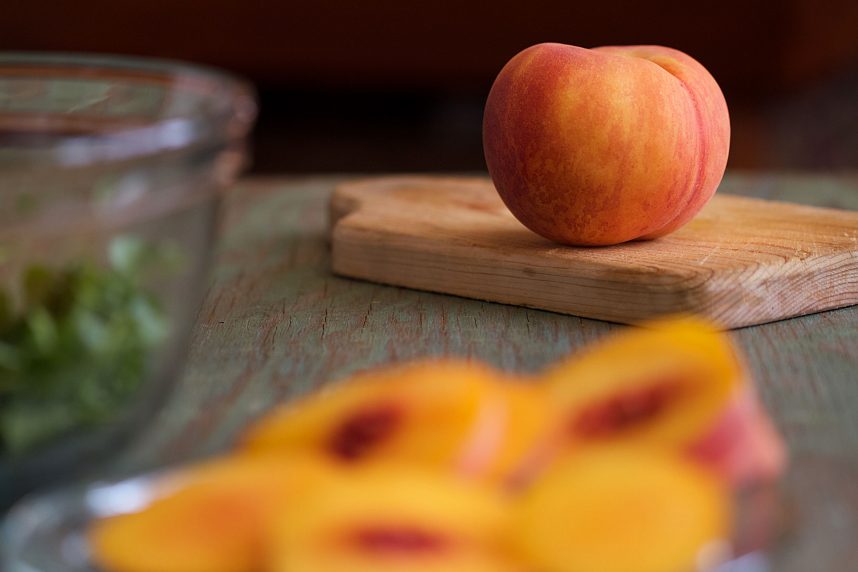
[
  {"x": 394, "y": 518},
  {"x": 665, "y": 385},
  {"x": 443, "y": 414},
  {"x": 743, "y": 445},
  {"x": 208, "y": 518},
  {"x": 627, "y": 510}
]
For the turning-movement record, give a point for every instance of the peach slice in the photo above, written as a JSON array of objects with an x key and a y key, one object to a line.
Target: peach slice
[
  {"x": 442, "y": 414},
  {"x": 395, "y": 518},
  {"x": 208, "y": 518},
  {"x": 623, "y": 510},
  {"x": 743, "y": 445},
  {"x": 663, "y": 385}
]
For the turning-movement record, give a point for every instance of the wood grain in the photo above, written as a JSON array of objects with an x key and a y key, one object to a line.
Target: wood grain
[
  {"x": 277, "y": 323},
  {"x": 742, "y": 261}
]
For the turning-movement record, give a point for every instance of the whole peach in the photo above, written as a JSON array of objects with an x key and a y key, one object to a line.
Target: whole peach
[{"x": 605, "y": 145}]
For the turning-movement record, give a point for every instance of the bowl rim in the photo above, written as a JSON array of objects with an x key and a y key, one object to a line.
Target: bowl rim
[{"x": 232, "y": 120}]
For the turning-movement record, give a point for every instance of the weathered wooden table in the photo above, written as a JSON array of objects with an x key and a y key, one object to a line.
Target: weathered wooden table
[{"x": 276, "y": 323}]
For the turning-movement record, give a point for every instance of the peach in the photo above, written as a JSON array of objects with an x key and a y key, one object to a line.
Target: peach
[
  {"x": 664, "y": 385},
  {"x": 209, "y": 518},
  {"x": 444, "y": 414},
  {"x": 602, "y": 146},
  {"x": 395, "y": 518},
  {"x": 622, "y": 510}
]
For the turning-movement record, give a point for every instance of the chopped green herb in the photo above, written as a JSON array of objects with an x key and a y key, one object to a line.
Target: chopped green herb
[{"x": 77, "y": 349}]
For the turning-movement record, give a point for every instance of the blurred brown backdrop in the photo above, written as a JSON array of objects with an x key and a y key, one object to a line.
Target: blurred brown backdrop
[{"x": 386, "y": 85}]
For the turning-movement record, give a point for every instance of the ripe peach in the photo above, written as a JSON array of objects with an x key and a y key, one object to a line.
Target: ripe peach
[
  {"x": 395, "y": 518},
  {"x": 444, "y": 414},
  {"x": 606, "y": 145},
  {"x": 621, "y": 510}
]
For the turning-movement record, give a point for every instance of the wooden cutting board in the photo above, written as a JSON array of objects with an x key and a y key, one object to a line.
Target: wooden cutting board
[{"x": 741, "y": 261}]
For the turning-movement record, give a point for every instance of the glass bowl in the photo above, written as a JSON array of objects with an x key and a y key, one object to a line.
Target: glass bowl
[
  {"x": 805, "y": 522},
  {"x": 111, "y": 172}
]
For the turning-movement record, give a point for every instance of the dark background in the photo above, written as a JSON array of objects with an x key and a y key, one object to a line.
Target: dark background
[{"x": 387, "y": 85}]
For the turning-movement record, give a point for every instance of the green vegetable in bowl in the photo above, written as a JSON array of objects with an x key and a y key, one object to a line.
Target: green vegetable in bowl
[{"x": 76, "y": 347}]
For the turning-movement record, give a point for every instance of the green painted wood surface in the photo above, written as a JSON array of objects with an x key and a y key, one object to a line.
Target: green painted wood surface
[{"x": 276, "y": 323}]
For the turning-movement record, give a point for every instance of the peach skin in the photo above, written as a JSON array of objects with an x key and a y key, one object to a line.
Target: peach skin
[
  {"x": 602, "y": 146},
  {"x": 743, "y": 445}
]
